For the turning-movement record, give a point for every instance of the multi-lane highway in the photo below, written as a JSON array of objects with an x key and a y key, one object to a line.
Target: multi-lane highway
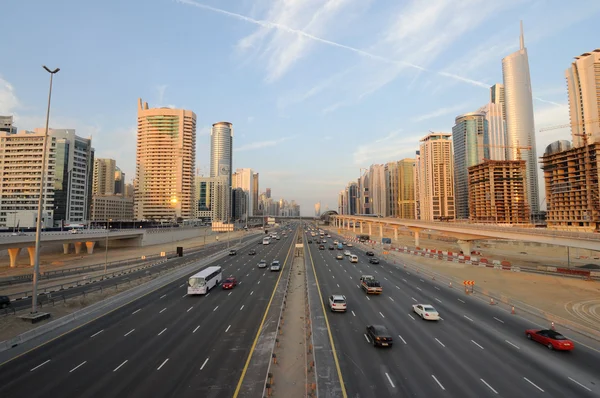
[
  {"x": 476, "y": 350},
  {"x": 165, "y": 344}
]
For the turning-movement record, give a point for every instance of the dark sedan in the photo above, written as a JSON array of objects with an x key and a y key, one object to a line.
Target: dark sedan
[
  {"x": 374, "y": 260},
  {"x": 370, "y": 253},
  {"x": 379, "y": 336},
  {"x": 252, "y": 252},
  {"x": 331, "y": 248}
]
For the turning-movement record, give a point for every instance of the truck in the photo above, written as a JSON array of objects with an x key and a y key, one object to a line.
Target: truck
[
  {"x": 362, "y": 238},
  {"x": 370, "y": 285}
]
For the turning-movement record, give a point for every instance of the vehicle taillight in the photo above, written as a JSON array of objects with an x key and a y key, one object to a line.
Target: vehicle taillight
[{"x": 426, "y": 314}]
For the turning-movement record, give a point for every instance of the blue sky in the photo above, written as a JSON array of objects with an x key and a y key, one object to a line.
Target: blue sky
[{"x": 315, "y": 89}]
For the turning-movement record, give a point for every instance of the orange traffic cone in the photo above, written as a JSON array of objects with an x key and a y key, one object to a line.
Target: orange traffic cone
[
  {"x": 492, "y": 301},
  {"x": 552, "y": 326},
  {"x": 513, "y": 310},
  {"x": 450, "y": 284}
]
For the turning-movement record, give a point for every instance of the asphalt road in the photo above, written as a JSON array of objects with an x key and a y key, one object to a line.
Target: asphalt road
[
  {"x": 476, "y": 350},
  {"x": 165, "y": 344}
]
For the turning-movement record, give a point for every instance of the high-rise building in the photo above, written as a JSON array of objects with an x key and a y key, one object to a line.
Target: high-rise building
[
  {"x": 6, "y": 125},
  {"x": 342, "y": 203},
  {"x": 111, "y": 207},
  {"x": 204, "y": 194},
  {"x": 378, "y": 189},
  {"x": 406, "y": 189},
  {"x": 239, "y": 205},
  {"x": 436, "y": 178},
  {"x": 417, "y": 184},
  {"x": 129, "y": 191},
  {"x": 221, "y": 159},
  {"x": 494, "y": 113},
  {"x": 318, "y": 209},
  {"x": 583, "y": 83},
  {"x": 470, "y": 144},
  {"x": 119, "y": 181},
  {"x": 221, "y": 199},
  {"x": 20, "y": 178},
  {"x": 244, "y": 179},
  {"x": 391, "y": 189},
  {"x": 165, "y": 162},
  {"x": 520, "y": 127},
  {"x": 255, "y": 194},
  {"x": 365, "y": 199},
  {"x": 104, "y": 176},
  {"x": 352, "y": 194}
]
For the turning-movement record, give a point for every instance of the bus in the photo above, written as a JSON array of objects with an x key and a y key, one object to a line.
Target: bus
[
  {"x": 205, "y": 280},
  {"x": 266, "y": 240}
]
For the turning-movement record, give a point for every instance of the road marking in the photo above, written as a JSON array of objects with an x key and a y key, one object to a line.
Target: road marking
[
  {"x": 385, "y": 278},
  {"x": 128, "y": 333},
  {"x": 418, "y": 288},
  {"x": 241, "y": 308},
  {"x": 414, "y": 299},
  {"x": 182, "y": 285},
  {"x": 338, "y": 285},
  {"x": 438, "y": 300},
  {"x": 185, "y": 295},
  {"x": 533, "y": 384},
  {"x": 490, "y": 387},
  {"x": 368, "y": 298},
  {"x": 390, "y": 380},
  {"x": 366, "y": 338},
  {"x": 353, "y": 313},
  {"x": 204, "y": 364},
  {"x": 438, "y": 382},
  {"x": 77, "y": 367},
  {"x": 468, "y": 318},
  {"x": 227, "y": 330},
  {"x": 232, "y": 292},
  {"x": 574, "y": 381},
  {"x": 517, "y": 347},
  {"x": 421, "y": 280},
  {"x": 189, "y": 309},
  {"x": 404, "y": 341},
  {"x": 436, "y": 288},
  {"x": 476, "y": 344},
  {"x": 215, "y": 308},
  {"x": 252, "y": 292},
  {"x": 40, "y": 365},
  {"x": 97, "y": 333},
  {"x": 404, "y": 280},
  {"x": 119, "y": 367},
  {"x": 381, "y": 314},
  {"x": 163, "y": 364},
  {"x": 257, "y": 283},
  {"x": 499, "y": 320},
  {"x": 161, "y": 311},
  {"x": 206, "y": 294},
  {"x": 197, "y": 327},
  {"x": 390, "y": 298},
  {"x": 136, "y": 311},
  {"x": 162, "y": 331},
  {"x": 461, "y": 301},
  {"x": 413, "y": 318},
  {"x": 163, "y": 296},
  {"x": 442, "y": 344}
]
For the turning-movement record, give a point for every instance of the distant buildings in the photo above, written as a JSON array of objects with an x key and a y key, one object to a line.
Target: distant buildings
[
  {"x": 494, "y": 113},
  {"x": 392, "y": 192},
  {"x": 406, "y": 189},
  {"x": 318, "y": 209},
  {"x": 6, "y": 125},
  {"x": 221, "y": 163},
  {"x": 244, "y": 179},
  {"x": 109, "y": 202},
  {"x": 104, "y": 176}
]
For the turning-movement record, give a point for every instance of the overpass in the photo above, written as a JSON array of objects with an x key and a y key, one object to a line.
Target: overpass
[{"x": 467, "y": 233}]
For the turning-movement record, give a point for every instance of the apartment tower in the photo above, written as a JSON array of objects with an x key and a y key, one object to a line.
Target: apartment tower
[
  {"x": 104, "y": 176},
  {"x": 406, "y": 188},
  {"x": 221, "y": 163}
]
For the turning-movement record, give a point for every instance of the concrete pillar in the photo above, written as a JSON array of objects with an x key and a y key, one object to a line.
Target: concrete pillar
[
  {"x": 396, "y": 233},
  {"x": 416, "y": 231},
  {"x": 90, "y": 247},
  {"x": 466, "y": 246},
  {"x": 31, "y": 251},
  {"x": 381, "y": 230},
  {"x": 370, "y": 231},
  {"x": 66, "y": 248},
  {"x": 354, "y": 226},
  {"x": 13, "y": 254},
  {"x": 361, "y": 231},
  {"x": 78, "y": 247}
]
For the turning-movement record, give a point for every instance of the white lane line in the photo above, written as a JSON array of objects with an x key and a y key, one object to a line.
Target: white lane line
[
  {"x": 476, "y": 344},
  {"x": 397, "y": 287},
  {"x": 381, "y": 314},
  {"x": 442, "y": 344},
  {"x": 161, "y": 311},
  {"x": 353, "y": 313},
  {"x": 438, "y": 382},
  {"x": 468, "y": 318},
  {"x": 436, "y": 288},
  {"x": 163, "y": 296},
  {"x": 229, "y": 294},
  {"x": 385, "y": 278},
  {"x": 189, "y": 309},
  {"x": 136, "y": 311},
  {"x": 77, "y": 367},
  {"x": 209, "y": 293},
  {"x": 390, "y": 380},
  {"x": 516, "y": 346},
  {"x": 241, "y": 308},
  {"x": 163, "y": 364},
  {"x": 438, "y": 300},
  {"x": 197, "y": 327},
  {"x": 338, "y": 285},
  {"x": 576, "y": 382},
  {"x": 252, "y": 292},
  {"x": 404, "y": 341},
  {"x": 461, "y": 301},
  {"x": 40, "y": 365},
  {"x": 499, "y": 320},
  {"x": 258, "y": 283},
  {"x": 412, "y": 317},
  {"x": 215, "y": 308},
  {"x": 119, "y": 367},
  {"x": 366, "y": 338},
  {"x": 533, "y": 384},
  {"x": 404, "y": 280},
  {"x": 185, "y": 295},
  {"x": 390, "y": 298},
  {"x": 490, "y": 387},
  {"x": 368, "y": 298},
  {"x": 421, "y": 280},
  {"x": 418, "y": 288},
  {"x": 203, "y": 364},
  {"x": 414, "y": 299},
  {"x": 182, "y": 285},
  {"x": 162, "y": 331},
  {"x": 97, "y": 333},
  {"x": 227, "y": 330},
  {"x": 128, "y": 333}
]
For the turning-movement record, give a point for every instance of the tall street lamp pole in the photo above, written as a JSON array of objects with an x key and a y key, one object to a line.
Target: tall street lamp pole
[{"x": 38, "y": 223}]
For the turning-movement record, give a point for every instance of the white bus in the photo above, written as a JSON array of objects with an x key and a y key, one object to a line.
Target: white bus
[
  {"x": 266, "y": 241},
  {"x": 205, "y": 280}
]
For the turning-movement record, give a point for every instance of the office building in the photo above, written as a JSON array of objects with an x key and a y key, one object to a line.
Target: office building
[
  {"x": 239, "y": 205},
  {"x": 352, "y": 194},
  {"x": 406, "y": 189},
  {"x": 417, "y": 184},
  {"x": 104, "y": 176},
  {"x": 129, "y": 191},
  {"x": 111, "y": 208},
  {"x": 520, "y": 127},
  {"x": 364, "y": 193},
  {"x": 391, "y": 189},
  {"x": 221, "y": 199},
  {"x": 165, "y": 163},
  {"x": 119, "y": 181},
  {"x": 378, "y": 189},
  {"x": 204, "y": 196},
  {"x": 494, "y": 113},
  {"x": 255, "y": 195},
  {"x": 268, "y": 193},
  {"x": 244, "y": 179},
  {"x": 583, "y": 83},
  {"x": 436, "y": 178},
  {"x": 6, "y": 125},
  {"x": 498, "y": 192},
  {"x": 470, "y": 147},
  {"x": 221, "y": 160}
]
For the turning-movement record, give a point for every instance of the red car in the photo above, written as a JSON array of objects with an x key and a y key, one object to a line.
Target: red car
[
  {"x": 551, "y": 339},
  {"x": 229, "y": 283}
]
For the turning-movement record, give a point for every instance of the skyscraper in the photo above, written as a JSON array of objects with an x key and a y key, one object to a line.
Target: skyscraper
[
  {"x": 221, "y": 159},
  {"x": 519, "y": 118},
  {"x": 119, "y": 181},
  {"x": 318, "y": 209},
  {"x": 496, "y": 123},
  {"x": 104, "y": 176},
  {"x": 166, "y": 156},
  {"x": 244, "y": 179},
  {"x": 378, "y": 189},
  {"x": 268, "y": 193},
  {"x": 406, "y": 188},
  {"x": 391, "y": 189},
  {"x": 255, "y": 194},
  {"x": 583, "y": 83},
  {"x": 469, "y": 139},
  {"x": 352, "y": 194}
]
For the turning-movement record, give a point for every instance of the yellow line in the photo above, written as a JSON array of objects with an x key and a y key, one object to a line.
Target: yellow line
[
  {"x": 335, "y": 358},
  {"x": 245, "y": 369}
]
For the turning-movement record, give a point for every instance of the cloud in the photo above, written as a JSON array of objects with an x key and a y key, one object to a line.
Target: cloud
[
  {"x": 8, "y": 98},
  {"x": 395, "y": 148},
  {"x": 261, "y": 144},
  {"x": 548, "y": 117},
  {"x": 250, "y": 119},
  {"x": 161, "y": 92},
  {"x": 450, "y": 110}
]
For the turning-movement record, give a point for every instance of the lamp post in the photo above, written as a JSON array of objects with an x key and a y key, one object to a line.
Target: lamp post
[
  {"x": 38, "y": 223},
  {"x": 106, "y": 245}
]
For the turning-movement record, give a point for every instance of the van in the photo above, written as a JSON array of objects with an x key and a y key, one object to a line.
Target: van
[{"x": 353, "y": 258}]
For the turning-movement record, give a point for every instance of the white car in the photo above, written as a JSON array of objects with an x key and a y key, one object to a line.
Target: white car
[
  {"x": 426, "y": 312},
  {"x": 349, "y": 245},
  {"x": 275, "y": 266},
  {"x": 347, "y": 253},
  {"x": 337, "y": 302},
  {"x": 339, "y": 257},
  {"x": 262, "y": 264}
]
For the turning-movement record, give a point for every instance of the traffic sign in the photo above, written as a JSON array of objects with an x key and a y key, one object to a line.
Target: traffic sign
[
  {"x": 468, "y": 283},
  {"x": 386, "y": 252}
]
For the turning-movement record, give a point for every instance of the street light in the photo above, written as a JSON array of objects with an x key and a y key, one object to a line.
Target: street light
[{"x": 38, "y": 223}]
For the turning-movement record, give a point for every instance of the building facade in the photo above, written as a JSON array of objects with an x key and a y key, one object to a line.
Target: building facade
[
  {"x": 165, "y": 163},
  {"x": 406, "y": 189},
  {"x": 255, "y": 195},
  {"x": 352, "y": 194},
  {"x": 495, "y": 117},
  {"x": 244, "y": 179},
  {"x": 112, "y": 208},
  {"x": 104, "y": 176},
  {"x": 204, "y": 195},
  {"x": 6, "y": 125},
  {"x": 119, "y": 181},
  {"x": 378, "y": 189},
  {"x": 391, "y": 189},
  {"x": 221, "y": 159}
]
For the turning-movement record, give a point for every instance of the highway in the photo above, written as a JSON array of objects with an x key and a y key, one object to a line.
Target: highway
[
  {"x": 164, "y": 344},
  {"x": 476, "y": 350}
]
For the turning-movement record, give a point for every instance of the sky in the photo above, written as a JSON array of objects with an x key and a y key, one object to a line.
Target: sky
[{"x": 315, "y": 89}]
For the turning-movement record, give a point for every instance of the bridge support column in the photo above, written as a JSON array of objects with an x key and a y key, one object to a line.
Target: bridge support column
[
  {"x": 361, "y": 231},
  {"x": 90, "y": 247},
  {"x": 31, "y": 251},
  {"x": 13, "y": 254},
  {"x": 354, "y": 226},
  {"x": 395, "y": 234},
  {"x": 66, "y": 248},
  {"x": 466, "y": 246},
  {"x": 417, "y": 232},
  {"x": 381, "y": 230},
  {"x": 370, "y": 231},
  {"x": 78, "y": 247}
]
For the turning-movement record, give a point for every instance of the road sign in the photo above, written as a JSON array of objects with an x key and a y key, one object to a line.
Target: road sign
[
  {"x": 468, "y": 283},
  {"x": 386, "y": 252}
]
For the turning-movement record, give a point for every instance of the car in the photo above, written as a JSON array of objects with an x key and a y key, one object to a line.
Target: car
[
  {"x": 229, "y": 283},
  {"x": 321, "y": 247},
  {"x": 275, "y": 266},
  {"x": 353, "y": 258},
  {"x": 252, "y": 252},
  {"x": 337, "y": 302},
  {"x": 310, "y": 241},
  {"x": 232, "y": 252},
  {"x": 374, "y": 260},
  {"x": 550, "y": 338},
  {"x": 4, "y": 301},
  {"x": 329, "y": 236},
  {"x": 426, "y": 312},
  {"x": 347, "y": 253},
  {"x": 370, "y": 253},
  {"x": 379, "y": 336},
  {"x": 278, "y": 237},
  {"x": 344, "y": 243},
  {"x": 323, "y": 240},
  {"x": 349, "y": 245},
  {"x": 335, "y": 242},
  {"x": 331, "y": 247},
  {"x": 339, "y": 257},
  {"x": 262, "y": 264}
]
